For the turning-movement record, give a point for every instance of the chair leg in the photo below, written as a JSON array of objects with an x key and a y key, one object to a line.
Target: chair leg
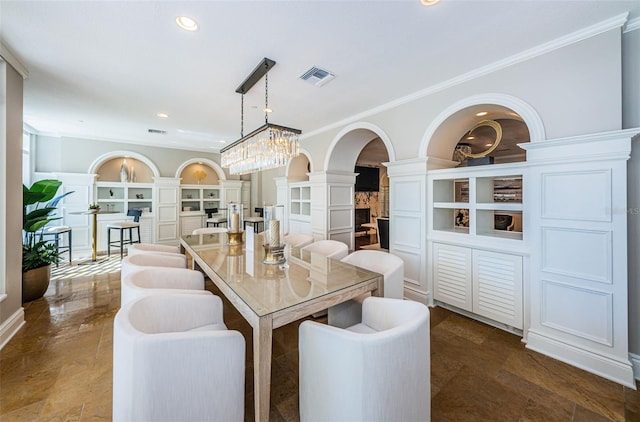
[
  {"x": 57, "y": 241},
  {"x": 122, "y": 242},
  {"x": 108, "y": 241},
  {"x": 139, "y": 240},
  {"x": 70, "y": 245}
]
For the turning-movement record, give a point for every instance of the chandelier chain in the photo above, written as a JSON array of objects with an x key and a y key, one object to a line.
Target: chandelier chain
[
  {"x": 242, "y": 116},
  {"x": 266, "y": 98}
]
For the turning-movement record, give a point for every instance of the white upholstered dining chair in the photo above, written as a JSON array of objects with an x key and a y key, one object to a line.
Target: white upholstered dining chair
[
  {"x": 390, "y": 266},
  {"x": 175, "y": 360},
  {"x": 298, "y": 240},
  {"x": 146, "y": 248},
  {"x": 134, "y": 263},
  {"x": 154, "y": 280},
  {"x": 376, "y": 370},
  {"x": 209, "y": 230},
  {"x": 328, "y": 248}
]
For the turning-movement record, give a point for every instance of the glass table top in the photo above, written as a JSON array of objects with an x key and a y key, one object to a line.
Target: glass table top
[{"x": 268, "y": 288}]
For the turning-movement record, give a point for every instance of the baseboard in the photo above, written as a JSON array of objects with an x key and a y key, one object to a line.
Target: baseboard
[
  {"x": 11, "y": 326},
  {"x": 609, "y": 368},
  {"x": 416, "y": 295},
  {"x": 635, "y": 362}
]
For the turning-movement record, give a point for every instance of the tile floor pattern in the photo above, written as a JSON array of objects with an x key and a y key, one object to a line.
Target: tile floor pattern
[{"x": 58, "y": 367}]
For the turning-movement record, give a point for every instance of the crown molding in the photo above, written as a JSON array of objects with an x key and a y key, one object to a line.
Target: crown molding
[
  {"x": 9, "y": 57},
  {"x": 569, "y": 39},
  {"x": 631, "y": 25}
]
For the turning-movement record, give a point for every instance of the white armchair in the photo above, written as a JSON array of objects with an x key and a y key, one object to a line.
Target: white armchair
[
  {"x": 137, "y": 262},
  {"x": 390, "y": 266},
  {"x": 378, "y": 370},
  {"x": 328, "y": 248},
  {"x": 154, "y": 280},
  {"x": 145, "y": 248},
  {"x": 174, "y": 360},
  {"x": 298, "y": 240}
]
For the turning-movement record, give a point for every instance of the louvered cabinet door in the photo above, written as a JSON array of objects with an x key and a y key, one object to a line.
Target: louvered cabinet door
[
  {"x": 497, "y": 287},
  {"x": 452, "y": 275}
]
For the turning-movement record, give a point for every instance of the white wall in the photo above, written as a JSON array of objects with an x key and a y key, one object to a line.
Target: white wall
[
  {"x": 631, "y": 77},
  {"x": 11, "y": 315},
  {"x": 631, "y": 119}
]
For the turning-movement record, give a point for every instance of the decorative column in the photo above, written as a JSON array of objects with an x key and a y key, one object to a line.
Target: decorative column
[
  {"x": 166, "y": 209},
  {"x": 332, "y": 206},
  {"x": 576, "y": 202}
]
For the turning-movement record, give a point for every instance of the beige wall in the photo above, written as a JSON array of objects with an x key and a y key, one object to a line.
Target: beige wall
[{"x": 73, "y": 155}]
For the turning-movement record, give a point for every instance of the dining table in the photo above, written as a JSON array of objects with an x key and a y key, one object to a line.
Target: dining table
[{"x": 271, "y": 295}]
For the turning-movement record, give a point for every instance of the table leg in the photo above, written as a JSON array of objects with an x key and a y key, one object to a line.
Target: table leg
[
  {"x": 262, "y": 343},
  {"x": 94, "y": 240}
]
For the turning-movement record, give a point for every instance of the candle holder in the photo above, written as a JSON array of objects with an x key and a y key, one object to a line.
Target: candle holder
[
  {"x": 273, "y": 248},
  {"x": 235, "y": 231}
]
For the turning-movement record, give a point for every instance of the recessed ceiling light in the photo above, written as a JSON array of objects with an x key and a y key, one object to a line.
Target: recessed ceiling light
[
  {"x": 222, "y": 141},
  {"x": 162, "y": 115},
  {"x": 429, "y": 2},
  {"x": 482, "y": 113},
  {"x": 267, "y": 110},
  {"x": 187, "y": 23}
]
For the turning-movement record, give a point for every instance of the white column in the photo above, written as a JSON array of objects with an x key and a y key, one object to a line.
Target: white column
[
  {"x": 166, "y": 208},
  {"x": 576, "y": 202},
  {"x": 332, "y": 199},
  {"x": 407, "y": 223}
]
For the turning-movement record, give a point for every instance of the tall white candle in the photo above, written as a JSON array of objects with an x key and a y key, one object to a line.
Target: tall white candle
[
  {"x": 274, "y": 233},
  {"x": 235, "y": 223}
]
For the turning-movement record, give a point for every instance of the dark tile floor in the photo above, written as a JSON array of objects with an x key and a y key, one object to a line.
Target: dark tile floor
[{"x": 58, "y": 367}]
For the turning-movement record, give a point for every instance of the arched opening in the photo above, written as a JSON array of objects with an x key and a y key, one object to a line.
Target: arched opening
[
  {"x": 138, "y": 168},
  {"x": 361, "y": 149},
  {"x": 299, "y": 167},
  {"x": 454, "y": 123},
  {"x": 201, "y": 170}
]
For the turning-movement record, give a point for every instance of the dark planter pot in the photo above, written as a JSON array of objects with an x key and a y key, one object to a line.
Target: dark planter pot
[{"x": 35, "y": 283}]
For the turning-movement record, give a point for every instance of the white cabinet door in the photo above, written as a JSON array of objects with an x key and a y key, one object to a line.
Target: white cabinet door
[
  {"x": 497, "y": 287},
  {"x": 189, "y": 224},
  {"x": 452, "y": 275}
]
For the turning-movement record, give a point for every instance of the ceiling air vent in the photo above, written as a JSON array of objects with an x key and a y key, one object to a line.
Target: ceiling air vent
[
  {"x": 317, "y": 76},
  {"x": 157, "y": 131}
]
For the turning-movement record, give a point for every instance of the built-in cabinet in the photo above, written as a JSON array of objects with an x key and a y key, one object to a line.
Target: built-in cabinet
[
  {"x": 198, "y": 198},
  {"x": 122, "y": 197},
  {"x": 300, "y": 207},
  {"x": 476, "y": 241},
  {"x": 482, "y": 205},
  {"x": 483, "y": 282}
]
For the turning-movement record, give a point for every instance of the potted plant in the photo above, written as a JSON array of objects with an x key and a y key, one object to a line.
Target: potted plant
[{"x": 38, "y": 204}]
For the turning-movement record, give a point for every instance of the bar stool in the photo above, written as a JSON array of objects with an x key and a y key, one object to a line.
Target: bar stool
[
  {"x": 215, "y": 220},
  {"x": 56, "y": 231},
  {"x": 122, "y": 226},
  {"x": 255, "y": 220}
]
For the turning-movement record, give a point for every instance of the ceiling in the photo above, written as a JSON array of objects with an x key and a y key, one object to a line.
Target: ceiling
[{"x": 104, "y": 69}]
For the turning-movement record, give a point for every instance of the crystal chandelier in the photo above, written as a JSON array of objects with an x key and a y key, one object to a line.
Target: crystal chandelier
[{"x": 267, "y": 147}]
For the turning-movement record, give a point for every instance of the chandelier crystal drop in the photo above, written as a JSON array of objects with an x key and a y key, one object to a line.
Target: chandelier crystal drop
[{"x": 267, "y": 147}]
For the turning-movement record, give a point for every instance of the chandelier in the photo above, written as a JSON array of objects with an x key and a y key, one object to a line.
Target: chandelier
[{"x": 270, "y": 146}]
